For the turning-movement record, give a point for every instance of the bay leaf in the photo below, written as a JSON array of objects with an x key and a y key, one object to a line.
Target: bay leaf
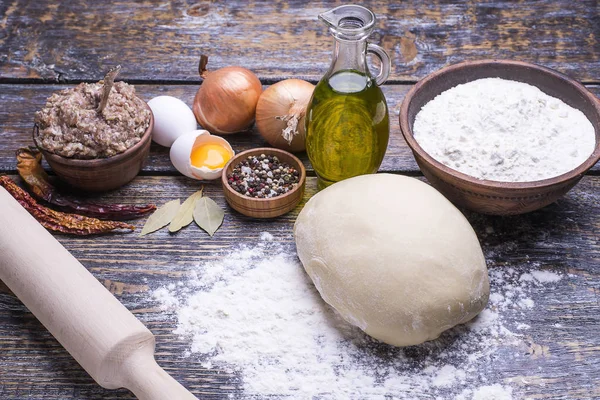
[
  {"x": 208, "y": 215},
  {"x": 161, "y": 217},
  {"x": 185, "y": 214}
]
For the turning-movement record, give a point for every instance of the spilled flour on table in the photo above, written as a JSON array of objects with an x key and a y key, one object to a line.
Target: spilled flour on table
[{"x": 255, "y": 313}]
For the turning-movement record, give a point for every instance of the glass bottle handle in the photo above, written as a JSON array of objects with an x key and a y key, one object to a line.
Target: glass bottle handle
[{"x": 384, "y": 71}]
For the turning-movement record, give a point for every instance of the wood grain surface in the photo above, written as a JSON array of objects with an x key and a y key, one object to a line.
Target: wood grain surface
[
  {"x": 155, "y": 40},
  {"x": 561, "y": 238},
  {"x": 20, "y": 102},
  {"x": 46, "y": 46}
]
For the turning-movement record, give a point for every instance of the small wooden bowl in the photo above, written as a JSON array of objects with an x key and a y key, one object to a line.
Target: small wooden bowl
[
  {"x": 102, "y": 174},
  {"x": 264, "y": 208},
  {"x": 486, "y": 196}
]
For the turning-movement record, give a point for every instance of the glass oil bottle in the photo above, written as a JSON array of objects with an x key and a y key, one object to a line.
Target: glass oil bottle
[{"x": 347, "y": 124}]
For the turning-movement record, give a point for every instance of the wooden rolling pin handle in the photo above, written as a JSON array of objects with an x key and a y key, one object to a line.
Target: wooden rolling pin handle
[
  {"x": 113, "y": 346},
  {"x": 148, "y": 381}
]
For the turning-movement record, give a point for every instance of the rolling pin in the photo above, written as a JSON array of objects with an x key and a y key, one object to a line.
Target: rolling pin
[{"x": 112, "y": 345}]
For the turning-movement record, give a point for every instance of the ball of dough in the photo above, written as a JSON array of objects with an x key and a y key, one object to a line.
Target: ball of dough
[{"x": 393, "y": 257}]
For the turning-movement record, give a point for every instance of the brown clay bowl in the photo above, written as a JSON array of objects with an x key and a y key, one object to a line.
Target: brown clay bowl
[
  {"x": 102, "y": 174},
  {"x": 493, "y": 197},
  {"x": 264, "y": 208}
]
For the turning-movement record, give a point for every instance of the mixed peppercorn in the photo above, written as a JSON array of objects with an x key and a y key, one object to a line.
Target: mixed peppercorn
[{"x": 263, "y": 177}]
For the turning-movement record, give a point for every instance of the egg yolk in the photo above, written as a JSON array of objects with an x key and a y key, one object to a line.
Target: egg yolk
[{"x": 212, "y": 156}]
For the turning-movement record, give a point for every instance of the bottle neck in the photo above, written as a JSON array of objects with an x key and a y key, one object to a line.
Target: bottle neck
[{"x": 349, "y": 55}]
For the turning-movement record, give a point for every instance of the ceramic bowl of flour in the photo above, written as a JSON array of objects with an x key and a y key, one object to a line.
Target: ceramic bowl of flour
[{"x": 476, "y": 168}]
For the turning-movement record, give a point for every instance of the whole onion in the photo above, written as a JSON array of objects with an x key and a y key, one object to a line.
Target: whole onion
[
  {"x": 280, "y": 114},
  {"x": 226, "y": 100}
]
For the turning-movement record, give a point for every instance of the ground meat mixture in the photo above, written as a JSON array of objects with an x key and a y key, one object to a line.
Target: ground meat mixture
[{"x": 71, "y": 126}]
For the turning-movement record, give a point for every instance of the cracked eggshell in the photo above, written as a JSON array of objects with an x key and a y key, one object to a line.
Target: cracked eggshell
[{"x": 181, "y": 151}]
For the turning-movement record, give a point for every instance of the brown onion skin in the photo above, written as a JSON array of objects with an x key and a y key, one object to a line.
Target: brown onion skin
[
  {"x": 284, "y": 98},
  {"x": 226, "y": 100}
]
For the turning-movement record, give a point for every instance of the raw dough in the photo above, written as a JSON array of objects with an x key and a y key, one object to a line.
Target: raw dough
[{"x": 393, "y": 257}]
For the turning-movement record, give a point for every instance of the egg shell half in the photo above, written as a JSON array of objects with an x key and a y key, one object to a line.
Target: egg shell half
[
  {"x": 172, "y": 118},
  {"x": 182, "y": 149}
]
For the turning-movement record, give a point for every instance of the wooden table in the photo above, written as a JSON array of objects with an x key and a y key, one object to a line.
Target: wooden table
[{"x": 46, "y": 46}]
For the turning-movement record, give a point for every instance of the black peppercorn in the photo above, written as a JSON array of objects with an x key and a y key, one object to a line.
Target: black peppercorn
[{"x": 263, "y": 177}]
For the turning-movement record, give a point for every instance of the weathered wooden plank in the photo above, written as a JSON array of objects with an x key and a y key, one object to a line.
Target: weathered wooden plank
[
  {"x": 21, "y": 101},
  {"x": 57, "y": 41},
  {"x": 561, "y": 360}
]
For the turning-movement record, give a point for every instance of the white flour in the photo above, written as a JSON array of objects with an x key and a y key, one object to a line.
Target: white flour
[
  {"x": 504, "y": 130},
  {"x": 256, "y": 313}
]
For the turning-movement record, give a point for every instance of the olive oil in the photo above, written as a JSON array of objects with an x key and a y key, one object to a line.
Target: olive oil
[{"x": 347, "y": 128}]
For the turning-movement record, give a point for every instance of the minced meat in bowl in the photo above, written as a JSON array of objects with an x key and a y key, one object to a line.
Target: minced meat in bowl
[{"x": 70, "y": 125}]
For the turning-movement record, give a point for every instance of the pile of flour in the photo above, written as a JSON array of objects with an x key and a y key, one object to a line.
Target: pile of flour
[
  {"x": 256, "y": 314},
  {"x": 504, "y": 130}
]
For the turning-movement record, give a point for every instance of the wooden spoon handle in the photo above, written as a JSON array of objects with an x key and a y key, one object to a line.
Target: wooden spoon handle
[{"x": 109, "y": 81}]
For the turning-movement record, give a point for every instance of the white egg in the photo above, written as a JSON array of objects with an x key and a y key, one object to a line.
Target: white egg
[
  {"x": 181, "y": 153},
  {"x": 172, "y": 118}
]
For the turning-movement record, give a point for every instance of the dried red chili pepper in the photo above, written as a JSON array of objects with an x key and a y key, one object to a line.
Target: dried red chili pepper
[
  {"x": 60, "y": 221},
  {"x": 29, "y": 165}
]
